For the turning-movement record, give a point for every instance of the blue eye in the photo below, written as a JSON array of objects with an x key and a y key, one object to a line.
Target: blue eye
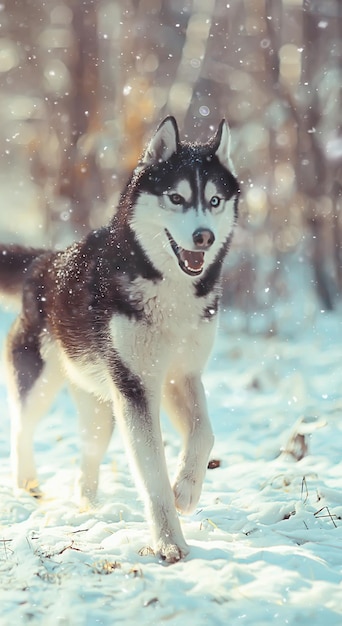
[
  {"x": 176, "y": 198},
  {"x": 215, "y": 201}
]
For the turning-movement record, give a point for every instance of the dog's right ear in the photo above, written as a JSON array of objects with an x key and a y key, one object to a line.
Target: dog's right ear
[{"x": 163, "y": 144}]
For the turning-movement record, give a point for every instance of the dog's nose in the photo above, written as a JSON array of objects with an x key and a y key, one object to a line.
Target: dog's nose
[{"x": 203, "y": 238}]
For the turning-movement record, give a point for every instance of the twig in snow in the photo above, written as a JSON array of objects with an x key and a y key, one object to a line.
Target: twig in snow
[
  {"x": 4, "y": 543},
  {"x": 304, "y": 487},
  {"x": 151, "y": 602},
  {"x": 68, "y": 547},
  {"x": 330, "y": 515},
  {"x": 206, "y": 521}
]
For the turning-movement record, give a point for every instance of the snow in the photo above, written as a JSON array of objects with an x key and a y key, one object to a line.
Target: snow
[{"x": 266, "y": 539}]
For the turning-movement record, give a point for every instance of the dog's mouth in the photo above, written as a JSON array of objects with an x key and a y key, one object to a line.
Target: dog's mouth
[{"x": 190, "y": 261}]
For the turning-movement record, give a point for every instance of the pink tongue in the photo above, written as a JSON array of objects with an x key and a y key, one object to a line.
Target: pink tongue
[{"x": 192, "y": 260}]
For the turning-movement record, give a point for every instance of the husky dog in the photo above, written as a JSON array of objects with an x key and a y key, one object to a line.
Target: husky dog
[{"x": 127, "y": 316}]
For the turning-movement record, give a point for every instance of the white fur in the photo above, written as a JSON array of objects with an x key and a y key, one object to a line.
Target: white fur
[{"x": 26, "y": 416}]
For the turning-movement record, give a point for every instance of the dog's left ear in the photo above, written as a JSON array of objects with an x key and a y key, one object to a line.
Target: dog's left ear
[
  {"x": 163, "y": 144},
  {"x": 222, "y": 146}
]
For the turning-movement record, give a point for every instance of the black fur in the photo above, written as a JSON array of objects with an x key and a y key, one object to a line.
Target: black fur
[
  {"x": 129, "y": 384},
  {"x": 24, "y": 347},
  {"x": 14, "y": 263},
  {"x": 211, "y": 310},
  {"x": 90, "y": 281}
]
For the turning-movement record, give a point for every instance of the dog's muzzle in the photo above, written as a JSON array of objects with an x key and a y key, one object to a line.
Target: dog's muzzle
[{"x": 190, "y": 261}]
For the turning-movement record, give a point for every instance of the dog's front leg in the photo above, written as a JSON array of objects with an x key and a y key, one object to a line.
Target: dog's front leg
[
  {"x": 140, "y": 425},
  {"x": 185, "y": 402}
]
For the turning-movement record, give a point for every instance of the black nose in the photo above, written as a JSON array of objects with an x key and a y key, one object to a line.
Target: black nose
[{"x": 203, "y": 238}]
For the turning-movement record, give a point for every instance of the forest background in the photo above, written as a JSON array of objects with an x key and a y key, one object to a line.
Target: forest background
[{"x": 83, "y": 84}]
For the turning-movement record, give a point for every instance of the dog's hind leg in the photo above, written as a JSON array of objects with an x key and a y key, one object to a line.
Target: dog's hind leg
[
  {"x": 96, "y": 423},
  {"x": 33, "y": 381},
  {"x": 185, "y": 402}
]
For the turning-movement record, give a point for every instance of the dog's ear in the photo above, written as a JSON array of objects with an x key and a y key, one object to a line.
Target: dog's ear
[
  {"x": 222, "y": 146},
  {"x": 163, "y": 144}
]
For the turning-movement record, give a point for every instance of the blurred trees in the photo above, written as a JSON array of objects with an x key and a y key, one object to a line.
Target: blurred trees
[
  {"x": 320, "y": 142},
  {"x": 83, "y": 84}
]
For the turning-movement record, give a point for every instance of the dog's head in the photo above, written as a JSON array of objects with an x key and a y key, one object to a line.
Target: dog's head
[{"x": 184, "y": 199}]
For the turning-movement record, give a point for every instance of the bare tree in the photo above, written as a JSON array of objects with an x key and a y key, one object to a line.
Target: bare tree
[
  {"x": 80, "y": 177},
  {"x": 319, "y": 137}
]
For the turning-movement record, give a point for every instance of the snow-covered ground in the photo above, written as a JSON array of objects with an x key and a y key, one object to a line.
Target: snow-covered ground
[{"x": 266, "y": 540}]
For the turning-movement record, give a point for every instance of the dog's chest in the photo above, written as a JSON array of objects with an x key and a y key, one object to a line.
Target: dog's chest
[
  {"x": 169, "y": 307},
  {"x": 170, "y": 315},
  {"x": 171, "y": 328}
]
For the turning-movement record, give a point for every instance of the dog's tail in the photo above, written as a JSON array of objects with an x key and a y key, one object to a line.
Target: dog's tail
[{"x": 15, "y": 261}]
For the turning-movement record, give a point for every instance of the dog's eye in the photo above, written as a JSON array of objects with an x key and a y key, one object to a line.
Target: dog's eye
[
  {"x": 176, "y": 198},
  {"x": 215, "y": 201}
]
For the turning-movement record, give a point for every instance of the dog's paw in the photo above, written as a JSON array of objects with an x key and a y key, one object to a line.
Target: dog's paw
[
  {"x": 30, "y": 487},
  {"x": 187, "y": 493},
  {"x": 85, "y": 493},
  {"x": 171, "y": 552}
]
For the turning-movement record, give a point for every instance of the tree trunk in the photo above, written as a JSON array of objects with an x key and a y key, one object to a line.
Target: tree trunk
[{"x": 80, "y": 178}]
